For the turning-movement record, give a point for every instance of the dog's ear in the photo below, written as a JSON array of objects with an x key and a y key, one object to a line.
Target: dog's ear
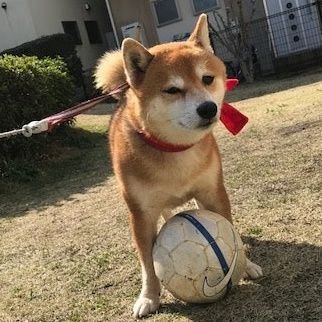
[
  {"x": 136, "y": 59},
  {"x": 200, "y": 35}
]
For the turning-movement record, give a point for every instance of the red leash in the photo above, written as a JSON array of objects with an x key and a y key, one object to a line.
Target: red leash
[{"x": 65, "y": 115}]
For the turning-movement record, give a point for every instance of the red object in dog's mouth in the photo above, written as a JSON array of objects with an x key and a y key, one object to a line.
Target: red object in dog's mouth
[{"x": 233, "y": 120}]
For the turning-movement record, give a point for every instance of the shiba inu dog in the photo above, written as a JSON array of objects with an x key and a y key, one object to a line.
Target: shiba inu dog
[{"x": 163, "y": 150}]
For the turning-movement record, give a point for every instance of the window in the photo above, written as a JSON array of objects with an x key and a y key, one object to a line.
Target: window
[
  {"x": 71, "y": 28},
  {"x": 204, "y": 5},
  {"x": 93, "y": 32},
  {"x": 166, "y": 11}
]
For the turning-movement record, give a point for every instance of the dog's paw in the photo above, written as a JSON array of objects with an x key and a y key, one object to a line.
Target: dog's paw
[
  {"x": 145, "y": 305},
  {"x": 253, "y": 270}
]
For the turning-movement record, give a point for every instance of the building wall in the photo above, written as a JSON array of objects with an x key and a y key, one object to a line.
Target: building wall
[
  {"x": 125, "y": 12},
  {"x": 16, "y": 25},
  {"x": 187, "y": 22},
  {"x": 30, "y": 19},
  {"x": 48, "y": 15}
]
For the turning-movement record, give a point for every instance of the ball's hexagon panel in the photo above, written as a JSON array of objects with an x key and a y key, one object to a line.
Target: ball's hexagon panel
[
  {"x": 163, "y": 265},
  {"x": 191, "y": 233},
  {"x": 183, "y": 288},
  {"x": 189, "y": 259},
  {"x": 226, "y": 232},
  {"x": 210, "y": 222},
  {"x": 171, "y": 235}
]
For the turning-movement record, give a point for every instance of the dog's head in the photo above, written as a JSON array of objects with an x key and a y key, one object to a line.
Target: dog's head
[{"x": 178, "y": 88}]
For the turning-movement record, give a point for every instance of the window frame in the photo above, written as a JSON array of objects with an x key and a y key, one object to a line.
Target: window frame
[
  {"x": 86, "y": 24},
  {"x": 154, "y": 11},
  {"x": 79, "y": 40},
  {"x": 207, "y": 10}
]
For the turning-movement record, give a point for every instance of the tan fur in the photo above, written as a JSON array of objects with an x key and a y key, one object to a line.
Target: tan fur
[
  {"x": 109, "y": 71},
  {"x": 153, "y": 182}
]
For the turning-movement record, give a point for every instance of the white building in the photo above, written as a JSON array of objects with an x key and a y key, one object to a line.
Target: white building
[
  {"x": 88, "y": 21},
  {"x": 175, "y": 18},
  {"x": 98, "y": 25}
]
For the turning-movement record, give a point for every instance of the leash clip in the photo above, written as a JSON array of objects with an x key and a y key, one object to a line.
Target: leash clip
[{"x": 35, "y": 127}]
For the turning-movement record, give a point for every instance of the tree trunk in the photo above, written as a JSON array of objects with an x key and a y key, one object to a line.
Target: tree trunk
[{"x": 247, "y": 68}]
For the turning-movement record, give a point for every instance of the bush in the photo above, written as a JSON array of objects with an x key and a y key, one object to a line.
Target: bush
[
  {"x": 30, "y": 89},
  {"x": 57, "y": 45}
]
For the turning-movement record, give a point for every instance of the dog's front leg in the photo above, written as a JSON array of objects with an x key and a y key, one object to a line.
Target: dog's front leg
[
  {"x": 214, "y": 198},
  {"x": 144, "y": 229}
]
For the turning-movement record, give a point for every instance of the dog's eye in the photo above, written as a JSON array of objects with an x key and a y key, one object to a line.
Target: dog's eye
[
  {"x": 173, "y": 90},
  {"x": 207, "y": 80}
]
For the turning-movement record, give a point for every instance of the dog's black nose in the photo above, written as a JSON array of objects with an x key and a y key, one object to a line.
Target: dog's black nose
[{"x": 207, "y": 110}]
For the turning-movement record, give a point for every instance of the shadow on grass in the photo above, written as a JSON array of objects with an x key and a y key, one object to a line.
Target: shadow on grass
[
  {"x": 71, "y": 168},
  {"x": 291, "y": 289},
  {"x": 274, "y": 84}
]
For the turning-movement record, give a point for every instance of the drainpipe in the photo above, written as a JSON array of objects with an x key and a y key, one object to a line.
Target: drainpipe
[{"x": 112, "y": 22}]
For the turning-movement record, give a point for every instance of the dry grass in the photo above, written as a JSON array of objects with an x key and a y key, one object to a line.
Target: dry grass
[{"x": 65, "y": 249}]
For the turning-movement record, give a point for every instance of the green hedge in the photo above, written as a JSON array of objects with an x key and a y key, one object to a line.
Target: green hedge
[
  {"x": 57, "y": 45},
  {"x": 30, "y": 89}
]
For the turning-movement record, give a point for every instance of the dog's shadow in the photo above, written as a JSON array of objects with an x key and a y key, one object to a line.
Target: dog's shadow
[{"x": 291, "y": 289}]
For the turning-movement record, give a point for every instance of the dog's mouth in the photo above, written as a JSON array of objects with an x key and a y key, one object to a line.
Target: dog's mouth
[
  {"x": 201, "y": 125},
  {"x": 205, "y": 123}
]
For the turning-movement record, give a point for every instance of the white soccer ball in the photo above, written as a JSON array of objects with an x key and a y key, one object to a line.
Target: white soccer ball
[{"x": 198, "y": 256}]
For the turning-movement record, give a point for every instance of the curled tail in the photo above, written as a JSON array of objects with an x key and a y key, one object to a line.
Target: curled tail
[{"x": 109, "y": 72}]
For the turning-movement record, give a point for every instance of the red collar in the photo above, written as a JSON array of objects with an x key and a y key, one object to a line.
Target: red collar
[{"x": 161, "y": 145}]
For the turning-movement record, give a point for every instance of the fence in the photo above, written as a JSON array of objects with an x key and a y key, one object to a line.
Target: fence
[{"x": 281, "y": 42}]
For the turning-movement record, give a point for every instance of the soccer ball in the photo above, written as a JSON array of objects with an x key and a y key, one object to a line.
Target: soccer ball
[{"x": 198, "y": 256}]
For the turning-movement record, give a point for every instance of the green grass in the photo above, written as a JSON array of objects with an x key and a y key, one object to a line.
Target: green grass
[{"x": 255, "y": 231}]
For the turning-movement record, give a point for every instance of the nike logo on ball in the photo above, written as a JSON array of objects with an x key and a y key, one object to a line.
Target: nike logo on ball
[{"x": 212, "y": 290}]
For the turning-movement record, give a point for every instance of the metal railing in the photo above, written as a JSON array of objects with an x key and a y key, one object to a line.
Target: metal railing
[{"x": 275, "y": 43}]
